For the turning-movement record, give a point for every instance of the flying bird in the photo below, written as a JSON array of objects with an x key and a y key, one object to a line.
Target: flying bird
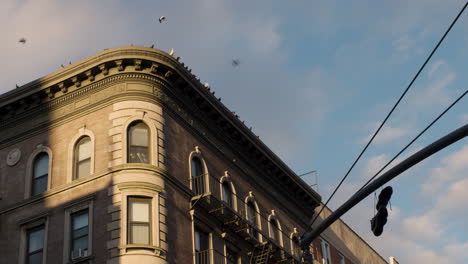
[
  {"x": 162, "y": 18},
  {"x": 22, "y": 40},
  {"x": 235, "y": 62},
  {"x": 171, "y": 52}
]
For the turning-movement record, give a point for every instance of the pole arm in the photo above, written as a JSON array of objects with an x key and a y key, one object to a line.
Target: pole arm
[{"x": 414, "y": 159}]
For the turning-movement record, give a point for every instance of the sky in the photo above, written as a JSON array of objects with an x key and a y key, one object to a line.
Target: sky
[{"x": 315, "y": 80}]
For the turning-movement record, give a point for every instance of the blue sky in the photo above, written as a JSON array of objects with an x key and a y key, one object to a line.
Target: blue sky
[{"x": 315, "y": 79}]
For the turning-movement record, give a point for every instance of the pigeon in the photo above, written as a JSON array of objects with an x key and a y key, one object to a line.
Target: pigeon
[
  {"x": 235, "y": 62},
  {"x": 152, "y": 46},
  {"x": 171, "y": 52},
  {"x": 162, "y": 18},
  {"x": 22, "y": 40}
]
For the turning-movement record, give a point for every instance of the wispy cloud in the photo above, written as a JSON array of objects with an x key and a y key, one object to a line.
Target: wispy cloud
[
  {"x": 388, "y": 134},
  {"x": 452, "y": 167}
]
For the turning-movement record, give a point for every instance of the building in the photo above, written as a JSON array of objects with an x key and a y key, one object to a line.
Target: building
[{"x": 125, "y": 157}]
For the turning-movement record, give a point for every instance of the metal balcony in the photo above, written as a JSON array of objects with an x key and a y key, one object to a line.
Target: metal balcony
[{"x": 209, "y": 256}]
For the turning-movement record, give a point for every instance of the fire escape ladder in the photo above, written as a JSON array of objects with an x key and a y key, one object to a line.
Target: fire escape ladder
[{"x": 261, "y": 254}]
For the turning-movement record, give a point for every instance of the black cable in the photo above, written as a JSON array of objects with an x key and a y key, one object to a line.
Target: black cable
[
  {"x": 393, "y": 108},
  {"x": 412, "y": 141}
]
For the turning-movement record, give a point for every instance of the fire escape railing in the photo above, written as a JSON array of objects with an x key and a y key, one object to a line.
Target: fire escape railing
[{"x": 232, "y": 213}]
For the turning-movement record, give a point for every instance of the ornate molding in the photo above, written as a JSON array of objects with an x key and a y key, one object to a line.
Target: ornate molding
[{"x": 173, "y": 84}]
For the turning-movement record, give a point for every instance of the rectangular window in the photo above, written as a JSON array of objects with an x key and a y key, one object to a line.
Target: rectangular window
[
  {"x": 202, "y": 253},
  {"x": 79, "y": 234},
  {"x": 35, "y": 244},
  {"x": 83, "y": 166},
  {"x": 139, "y": 219},
  {"x": 326, "y": 258},
  {"x": 342, "y": 259}
]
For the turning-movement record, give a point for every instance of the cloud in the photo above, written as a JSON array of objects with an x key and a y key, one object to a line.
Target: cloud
[
  {"x": 388, "y": 134},
  {"x": 434, "y": 67},
  {"x": 453, "y": 167},
  {"x": 464, "y": 119},
  {"x": 423, "y": 227}
]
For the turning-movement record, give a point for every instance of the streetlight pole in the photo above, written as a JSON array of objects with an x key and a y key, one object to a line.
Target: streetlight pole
[{"x": 414, "y": 159}]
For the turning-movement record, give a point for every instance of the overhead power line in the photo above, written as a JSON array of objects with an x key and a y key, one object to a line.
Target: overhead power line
[
  {"x": 414, "y": 139},
  {"x": 393, "y": 109}
]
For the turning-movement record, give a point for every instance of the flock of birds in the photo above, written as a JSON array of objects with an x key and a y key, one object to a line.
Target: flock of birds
[{"x": 234, "y": 62}]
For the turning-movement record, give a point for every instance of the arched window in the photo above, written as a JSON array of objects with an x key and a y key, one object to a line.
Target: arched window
[
  {"x": 198, "y": 176},
  {"x": 40, "y": 174},
  {"x": 227, "y": 194},
  {"x": 252, "y": 218},
  {"x": 138, "y": 142},
  {"x": 83, "y": 157},
  {"x": 274, "y": 230},
  {"x": 296, "y": 249}
]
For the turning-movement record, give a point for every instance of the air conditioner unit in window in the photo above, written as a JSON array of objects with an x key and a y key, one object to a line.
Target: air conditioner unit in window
[{"x": 79, "y": 253}]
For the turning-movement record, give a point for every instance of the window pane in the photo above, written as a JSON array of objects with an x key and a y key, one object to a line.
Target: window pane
[
  {"x": 41, "y": 165},
  {"x": 39, "y": 185},
  {"x": 80, "y": 244},
  {"x": 80, "y": 220},
  {"x": 138, "y": 154},
  {"x": 227, "y": 194},
  {"x": 273, "y": 230},
  {"x": 196, "y": 167},
  {"x": 140, "y": 211},
  {"x": 35, "y": 239},
  {"x": 140, "y": 234},
  {"x": 35, "y": 258},
  {"x": 251, "y": 213},
  {"x": 84, "y": 149},
  {"x": 84, "y": 168},
  {"x": 201, "y": 240},
  {"x": 139, "y": 135}
]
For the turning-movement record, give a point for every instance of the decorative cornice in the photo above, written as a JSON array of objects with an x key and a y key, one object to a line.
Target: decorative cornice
[{"x": 180, "y": 89}]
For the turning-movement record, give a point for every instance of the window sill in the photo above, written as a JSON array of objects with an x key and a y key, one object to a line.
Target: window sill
[
  {"x": 138, "y": 249},
  {"x": 82, "y": 260}
]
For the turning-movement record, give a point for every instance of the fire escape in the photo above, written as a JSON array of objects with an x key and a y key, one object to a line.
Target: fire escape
[{"x": 232, "y": 213}]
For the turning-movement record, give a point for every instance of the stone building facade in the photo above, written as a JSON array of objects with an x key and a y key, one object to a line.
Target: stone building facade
[{"x": 125, "y": 157}]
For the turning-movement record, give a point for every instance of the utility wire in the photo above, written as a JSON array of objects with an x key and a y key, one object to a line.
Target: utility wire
[
  {"x": 412, "y": 141},
  {"x": 393, "y": 108}
]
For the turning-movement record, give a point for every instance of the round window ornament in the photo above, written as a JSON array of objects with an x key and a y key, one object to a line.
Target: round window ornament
[{"x": 13, "y": 157}]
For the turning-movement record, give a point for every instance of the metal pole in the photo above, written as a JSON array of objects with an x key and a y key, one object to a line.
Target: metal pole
[{"x": 414, "y": 159}]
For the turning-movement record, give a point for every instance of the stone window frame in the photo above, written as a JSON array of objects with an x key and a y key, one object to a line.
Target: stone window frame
[
  {"x": 30, "y": 169},
  {"x": 295, "y": 234},
  {"x": 274, "y": 217},
  {"x": 251, "y": 198},
  {"x": 75, "y": 207},
  {"x": 322, "y": 243},
  {"x": 82, "y": 132},
  {"x": 200, "y": 225},
  {"x": 197, "y": 153},
  {"x": 144, "y": 190},
  {"x": 227, "y": 178},
  {"x": 153, "y": 137},
  {"x": 27, "y": 225}
]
